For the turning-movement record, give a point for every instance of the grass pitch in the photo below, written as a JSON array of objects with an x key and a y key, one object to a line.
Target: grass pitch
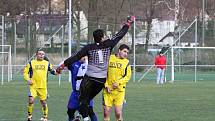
[{"x": 146, "y": 101}]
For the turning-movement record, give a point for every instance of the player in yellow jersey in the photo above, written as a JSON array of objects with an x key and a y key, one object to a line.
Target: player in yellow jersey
[
  {"x": 35, "y": 74},
  {"x": 119, "y": 73}
]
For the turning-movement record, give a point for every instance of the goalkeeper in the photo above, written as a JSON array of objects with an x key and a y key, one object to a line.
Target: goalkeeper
[
  {"x": 98, "y": 54},
  {"x": 35, "y": 74},
  {"x": 78, "y": 69},
  {"x": 119, "y": 73}
]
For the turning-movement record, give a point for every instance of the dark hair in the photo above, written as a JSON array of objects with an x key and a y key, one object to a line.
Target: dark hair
[
  {"x": 123, "y": 46},
  {"x": 98, "y": 35},
  {"x": 39, "y": 50}
]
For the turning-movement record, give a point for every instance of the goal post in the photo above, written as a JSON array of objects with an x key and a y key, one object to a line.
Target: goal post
[{"x": 6, "y": 68}]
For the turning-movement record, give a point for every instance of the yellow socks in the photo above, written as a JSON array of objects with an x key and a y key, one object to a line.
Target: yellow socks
[
  {"x": 45, "y": 110},
  {"x": 30, "y": 109}
]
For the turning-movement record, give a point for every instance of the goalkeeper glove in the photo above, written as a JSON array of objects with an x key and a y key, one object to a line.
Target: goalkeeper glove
[
  {"x": 60, "y": 67},
  {"x": 130, "y": 20}
]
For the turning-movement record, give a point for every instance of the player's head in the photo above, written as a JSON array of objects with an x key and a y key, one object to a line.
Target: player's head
[
  {"x": 83, "y": 59},
  {"x": 98, "y": 35},
  {"x": 40, "y": 54},
  {"x": 123, "y": 51}
]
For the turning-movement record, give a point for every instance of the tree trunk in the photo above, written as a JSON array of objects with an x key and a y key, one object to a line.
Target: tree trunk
[
  {"x": 50, "y": 6},
  {"x": 149, "y": 26},
  {"x": 65, "y": 6},
  {"x": 92, "y": 19},
  {"x": 33, "y": 42},
  {"x": 78, "y": 30}
]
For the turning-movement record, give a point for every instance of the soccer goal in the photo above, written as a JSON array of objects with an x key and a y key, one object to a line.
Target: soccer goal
[
  {"x": 5, "y": 60},
  {"x": 192, "y": 63}
]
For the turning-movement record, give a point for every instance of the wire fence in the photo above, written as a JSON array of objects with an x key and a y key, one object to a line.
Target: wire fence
[{"x": 51, "y": 33}]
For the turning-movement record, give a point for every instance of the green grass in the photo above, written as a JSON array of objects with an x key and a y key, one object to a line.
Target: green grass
[{"x": 146, "y": 101}]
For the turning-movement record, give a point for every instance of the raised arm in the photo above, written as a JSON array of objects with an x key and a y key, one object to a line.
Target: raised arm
[{"x": 117, "y": 37}]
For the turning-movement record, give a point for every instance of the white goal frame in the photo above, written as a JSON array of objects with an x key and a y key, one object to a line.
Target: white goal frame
[
  {"x": 9, "y": 70},
  {"x": 195, "y": 55}
]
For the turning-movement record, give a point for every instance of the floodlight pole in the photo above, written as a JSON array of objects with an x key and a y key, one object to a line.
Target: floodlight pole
[
  {"x": 70, "y": 32},
  {"x": 134, "y": 63},
  {"x": 2, "y": 69},
  {"x": 15, "y": 37},
  {"x": 196, "y": 27},
  {"x": 203, "y": 23},
  {"x": 2, "y": 42},
  {"x": 172, "y": 64}
]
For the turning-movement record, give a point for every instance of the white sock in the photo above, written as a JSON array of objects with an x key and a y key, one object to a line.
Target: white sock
[{"x": 86, "y": 119}]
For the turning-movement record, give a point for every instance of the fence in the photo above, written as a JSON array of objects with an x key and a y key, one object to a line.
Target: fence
[{"x": 51, "y": 33}]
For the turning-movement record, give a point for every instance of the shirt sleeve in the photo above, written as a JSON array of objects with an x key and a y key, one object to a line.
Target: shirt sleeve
[
  {"x": 50, "y": 67},
  {"x": 117, "y": 37},
  {"x": 74, "y": 70},
  {"x": 72, "y": 59},
  {"x": 26, "y": 72}
]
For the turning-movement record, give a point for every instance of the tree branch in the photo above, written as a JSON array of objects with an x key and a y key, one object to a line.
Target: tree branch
[{"x": 166, "y": 3}]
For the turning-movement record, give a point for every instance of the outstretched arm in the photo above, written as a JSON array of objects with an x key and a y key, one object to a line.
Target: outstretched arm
[
  {"x": 117, "y": 37},
  {"x": 72, "y": 59}
]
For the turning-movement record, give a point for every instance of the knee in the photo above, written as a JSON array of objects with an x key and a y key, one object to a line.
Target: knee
[
  {"x": 31, "y": 100},
  {"x": 43, "y": 103},
  {"x": 83, "y": 103},
  {"x": 107, "y": 112}
]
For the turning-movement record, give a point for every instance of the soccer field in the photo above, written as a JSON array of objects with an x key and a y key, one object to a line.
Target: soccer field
[{"x": 146, "y": 101}]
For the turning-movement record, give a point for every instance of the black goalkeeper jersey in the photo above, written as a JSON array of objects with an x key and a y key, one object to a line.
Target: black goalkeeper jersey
[{"x": 98, "y": 55}]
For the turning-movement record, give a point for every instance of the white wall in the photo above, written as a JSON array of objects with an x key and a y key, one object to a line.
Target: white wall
[{"x": 158, "y": 31}]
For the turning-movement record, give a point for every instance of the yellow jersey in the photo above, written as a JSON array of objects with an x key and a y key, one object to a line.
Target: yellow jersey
[
  {"x": 119, "y": 71},
  {"x": 37, "y": 72}
]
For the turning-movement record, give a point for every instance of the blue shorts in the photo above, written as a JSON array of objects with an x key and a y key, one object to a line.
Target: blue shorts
[{"x": 73, "y": 101}]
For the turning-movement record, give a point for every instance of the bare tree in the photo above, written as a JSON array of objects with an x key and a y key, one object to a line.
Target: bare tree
[
  {"x": 148, "y": 9},
  {"x": 77, "y": 21}
]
